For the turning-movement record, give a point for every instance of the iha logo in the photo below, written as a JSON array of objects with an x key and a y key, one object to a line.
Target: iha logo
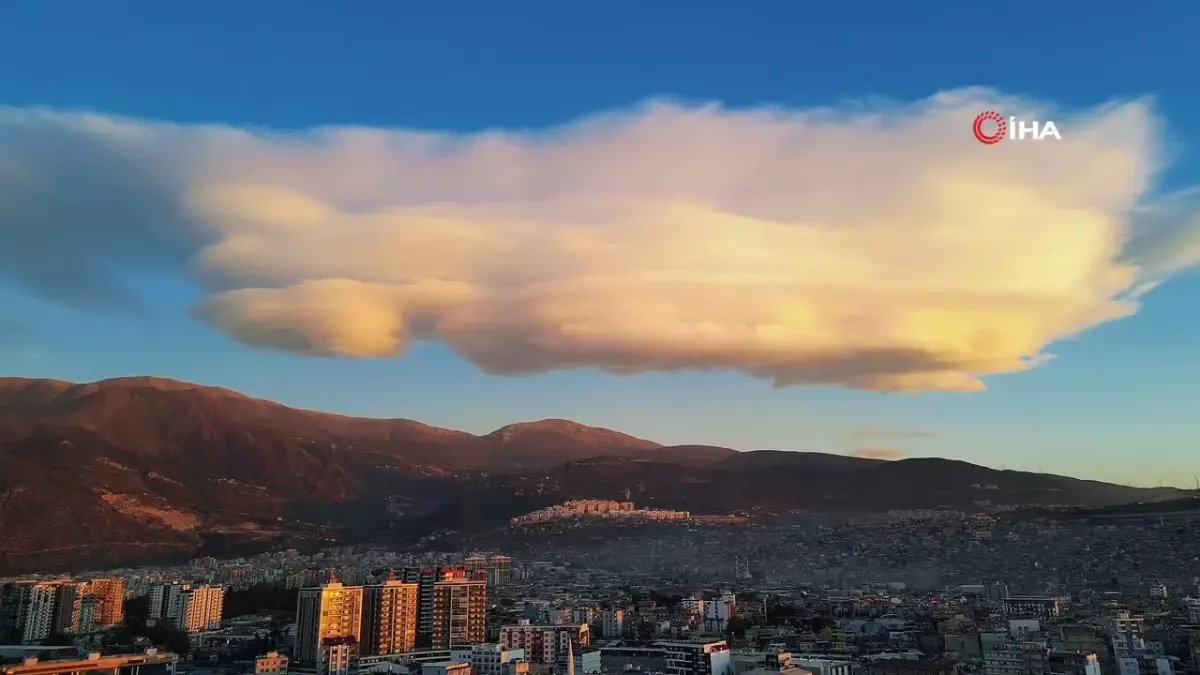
[{"x": 990, "y": 128}]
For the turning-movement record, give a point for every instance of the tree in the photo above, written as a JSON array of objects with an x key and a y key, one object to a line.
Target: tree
[
  {"x": 57, "y": 640},
  {"x": 260, "y": 598},
  {"x": 737, "y": 627},
  {"x": 137, "y": 609},
  {"x": 179, "y": 643}
]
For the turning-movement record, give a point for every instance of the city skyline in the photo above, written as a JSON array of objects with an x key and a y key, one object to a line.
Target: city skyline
[{"x": 706, "y": 251}]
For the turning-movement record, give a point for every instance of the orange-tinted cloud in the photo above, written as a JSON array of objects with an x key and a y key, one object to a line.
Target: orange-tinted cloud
[
  {"x": 875, "y": 248},
  {"x": 877, "y": 453},
  {"x": 898, "y": 433}
]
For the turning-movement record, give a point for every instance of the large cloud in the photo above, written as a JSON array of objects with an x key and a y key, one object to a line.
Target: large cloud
[{"x": 872, "y": 247}]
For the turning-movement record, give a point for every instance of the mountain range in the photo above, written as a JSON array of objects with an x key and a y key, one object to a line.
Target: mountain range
[{"x": 146, "y": 469}]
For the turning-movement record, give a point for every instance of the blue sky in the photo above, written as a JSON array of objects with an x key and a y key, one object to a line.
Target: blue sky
[{"x": 1117, "y": 403}]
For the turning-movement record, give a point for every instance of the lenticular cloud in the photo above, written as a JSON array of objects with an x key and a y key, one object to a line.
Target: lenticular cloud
[{"x": 869, "y": 247}]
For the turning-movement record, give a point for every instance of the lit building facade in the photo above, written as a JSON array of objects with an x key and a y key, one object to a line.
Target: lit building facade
[
  {"x": 271, "y": 663},
  {"x": 389, "y": 617},
  {"x": 111, "y": 591},
  {"x": 201, "y": 608},
  {"x": 327, "y": 614}
]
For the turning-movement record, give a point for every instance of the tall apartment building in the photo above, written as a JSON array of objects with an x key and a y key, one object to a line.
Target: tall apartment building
[
  {"x": 546, "y": 645},
  {"x": 458, "y": 618},
  {"x": 68, "y": 601},
  {"x": 1126, "y": 631},
  {"x": 389, "y": 623},
  {"x": 426, "y": 578},
  {"x": 612, "y": 623},
  {"x": 717, "y": 613},
  {"x": 165, "y": 600},
  {"x": 475, "y": 564},
  {"x": 494, "y": 569},
  {"x": 499, "y": 569},
  {"x": 11, "y": 598},
  {"x": 201, "y": 608},
  {"x": 89, "y": 612},
  {"x": 31, "y": 611},
  {"x": 190, "y": 608},
  {"x": 111, "y": 592},
  {"x": 39, "y": 612},
  {"x": 329, "y": 615}
]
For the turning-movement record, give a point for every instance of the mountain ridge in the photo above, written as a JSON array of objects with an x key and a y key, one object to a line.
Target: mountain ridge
[{"x": 134, "y": 469}]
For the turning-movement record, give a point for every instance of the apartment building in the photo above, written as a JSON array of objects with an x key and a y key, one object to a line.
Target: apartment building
[
  {"x": 39, "y": 611},
  {"x": 390, "y": 612},
  {"x": 327, "y": 616},
  {"x": 697, "y": 658},
  {"x": 111, "y": 591},
  {"x": 546, "y": 645},
  {"x": 200, "y": 608},
  {"x": 459, "y": 608},
  {"x": 271, "y": 663}
]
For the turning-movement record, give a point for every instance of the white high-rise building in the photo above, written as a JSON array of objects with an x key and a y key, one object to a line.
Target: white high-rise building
[
  {"x": 1126, "y": 631},
  {"x": 39, "y": 612},
  {"x": 190, "y": 608},
  {"x": 717, "y": 613},
  {"x": 165, "y": 600}
]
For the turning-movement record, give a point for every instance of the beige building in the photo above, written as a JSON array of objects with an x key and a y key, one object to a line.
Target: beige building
[
  {"x": 271, "y": 663},
  {"x": 201, "y": 608},
  {"x": 389, "y": 624}
]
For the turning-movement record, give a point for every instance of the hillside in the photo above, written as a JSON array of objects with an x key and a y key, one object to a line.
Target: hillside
[{"x": 140, "y": 469}]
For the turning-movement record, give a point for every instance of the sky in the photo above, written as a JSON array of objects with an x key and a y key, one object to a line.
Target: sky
[{"x": 764, "y": 227}]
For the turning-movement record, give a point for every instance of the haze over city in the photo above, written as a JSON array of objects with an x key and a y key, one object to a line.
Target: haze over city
[{"x": 773, "y": 238}]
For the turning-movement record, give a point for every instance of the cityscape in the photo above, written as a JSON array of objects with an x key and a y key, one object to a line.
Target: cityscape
[
  {"x": 1016, "y": 592},
  {"x": 364, "y": 337}
]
